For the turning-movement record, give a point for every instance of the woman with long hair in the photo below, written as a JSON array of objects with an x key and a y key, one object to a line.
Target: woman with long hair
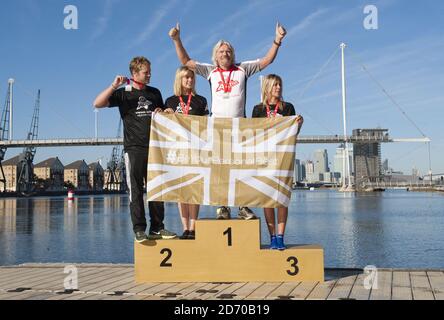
[
  {"x": 186, "y": 101},
  {"x": 273, "y": 105}
]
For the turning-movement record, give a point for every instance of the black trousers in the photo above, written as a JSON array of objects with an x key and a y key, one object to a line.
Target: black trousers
[{"x": 136, "y": 162}]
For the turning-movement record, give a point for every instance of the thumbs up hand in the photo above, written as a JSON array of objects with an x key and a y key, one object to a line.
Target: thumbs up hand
[
  {"x": 280, "y": 32},
  {"x": 175, "y": 32}
]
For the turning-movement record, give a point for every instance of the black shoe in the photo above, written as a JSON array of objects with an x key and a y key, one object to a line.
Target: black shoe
[
  {"x": 141, "y": 237},
  {"x": 185, "y": 235},
  {"x": 162, "y": 234},
  {"x": 191, "y": 235}
]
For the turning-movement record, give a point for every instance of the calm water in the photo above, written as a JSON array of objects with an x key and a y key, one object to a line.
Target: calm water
[{"x": 390, "y": 229}]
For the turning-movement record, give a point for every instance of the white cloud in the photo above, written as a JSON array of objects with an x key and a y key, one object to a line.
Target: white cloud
[
  {"x": 103, "y": 21},
  {"x": 306, "y": 23},
  {"x": 154, "y": 23},
  {"x": 237, "y": 18}
]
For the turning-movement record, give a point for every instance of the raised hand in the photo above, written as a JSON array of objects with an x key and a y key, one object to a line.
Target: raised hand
[
  {"x": 118, "y": 81},
  {"x": 175, "y": 32},
  {"x": 280, "y": 32}
]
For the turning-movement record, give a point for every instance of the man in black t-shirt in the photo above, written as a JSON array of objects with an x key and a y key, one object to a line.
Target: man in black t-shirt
[{"x": 137, "y": 102}]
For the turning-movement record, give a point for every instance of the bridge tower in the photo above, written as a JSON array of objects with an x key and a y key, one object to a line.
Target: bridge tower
[
  {"x": 25, "y": 172},
  {"x": 367, "y": 157}
]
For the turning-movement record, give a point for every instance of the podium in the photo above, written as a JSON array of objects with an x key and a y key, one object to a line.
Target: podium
[{"x": 225, "y": 251}]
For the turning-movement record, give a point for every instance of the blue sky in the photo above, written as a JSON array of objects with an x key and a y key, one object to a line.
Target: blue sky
[{"x": 72, "y": 66}]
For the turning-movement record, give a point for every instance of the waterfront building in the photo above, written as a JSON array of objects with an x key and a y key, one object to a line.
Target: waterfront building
[
  {"x": 336, "y": 177},
  {"x": 50, "y": 172},
  {"x": 10, "y": 169},
  {"x": 96, "y": 176},
  {"x": 77, "y": 174}
]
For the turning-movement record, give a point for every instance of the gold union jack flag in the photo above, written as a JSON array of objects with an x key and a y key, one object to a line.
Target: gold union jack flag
[{"x": 220, "y": 161}]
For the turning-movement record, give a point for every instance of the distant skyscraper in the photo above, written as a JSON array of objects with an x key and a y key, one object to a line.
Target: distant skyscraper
[
  {"x": 321, "y": 161},
  {"x": 303, "y": 172},
  {"x": 309, "y": 167},
  {"x": 338, "y": 162},
  {"x": 321, "y": 169},
  {"x": 310, "y": 175},
  {"x": 297, "y": 177}
]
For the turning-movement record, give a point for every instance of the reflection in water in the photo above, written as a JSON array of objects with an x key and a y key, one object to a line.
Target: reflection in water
[{"x": 390, "y": 229}]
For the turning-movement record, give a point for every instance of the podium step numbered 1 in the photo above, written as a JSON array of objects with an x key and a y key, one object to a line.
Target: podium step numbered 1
[{"x": 225, "y": 251}]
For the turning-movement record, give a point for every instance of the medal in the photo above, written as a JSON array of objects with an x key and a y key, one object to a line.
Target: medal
[
  {"x": 128, "y": 87},
  {"x": 227, "y": 85},
  {"x": 269, "y": 115},
  {"x": 185, "y": 108}
]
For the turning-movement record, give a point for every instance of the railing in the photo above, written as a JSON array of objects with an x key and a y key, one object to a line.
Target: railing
[
  {"x": 341, "y": 138},
  {"x": 400, "y": 184},
  {"x": 61, "y": 142},
  {"x": 117, "y": 141}
]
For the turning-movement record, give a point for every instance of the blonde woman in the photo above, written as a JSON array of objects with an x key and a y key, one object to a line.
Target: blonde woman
[
  {"x": 273, "y": 105},
  {"x": 187, "y": 102}
]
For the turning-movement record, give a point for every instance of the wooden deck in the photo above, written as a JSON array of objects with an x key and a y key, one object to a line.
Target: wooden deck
[{"x": 116, "y": 282}]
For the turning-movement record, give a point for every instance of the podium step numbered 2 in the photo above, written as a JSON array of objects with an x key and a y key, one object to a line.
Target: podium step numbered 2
[{"x": 225, "y": 251}]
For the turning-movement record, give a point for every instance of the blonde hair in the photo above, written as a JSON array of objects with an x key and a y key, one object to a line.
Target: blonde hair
[
  {"x": 219, "y": 44},
  {"x": 137, "y": 63},
  {"x": 180, "y": 73},
  {"x": 268, "y": 83}
]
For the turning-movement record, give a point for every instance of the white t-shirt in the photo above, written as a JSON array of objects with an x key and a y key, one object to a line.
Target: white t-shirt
[{"x": 228, "y": 95}]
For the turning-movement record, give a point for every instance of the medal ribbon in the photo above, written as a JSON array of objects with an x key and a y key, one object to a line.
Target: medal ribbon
[
  {"x": 185, "y": 109},
  {"x": 275, "y": 109},
  {"x": 226, "y": 84},
  {"x": 128, "y": 81}
]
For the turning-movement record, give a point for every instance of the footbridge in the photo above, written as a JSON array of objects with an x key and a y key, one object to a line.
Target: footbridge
[{"x": 82, "y": 142}]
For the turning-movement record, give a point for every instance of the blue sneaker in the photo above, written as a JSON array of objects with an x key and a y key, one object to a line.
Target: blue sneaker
[
  {"x": 280, "y": 242},
  {"x": 273, "y": 245}
]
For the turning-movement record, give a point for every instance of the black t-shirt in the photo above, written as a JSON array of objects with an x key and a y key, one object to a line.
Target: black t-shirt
[
  {"x": 136, "y": 107},
  {"x": 198, "y": 105},
  {"x": 260, "y": 110}
]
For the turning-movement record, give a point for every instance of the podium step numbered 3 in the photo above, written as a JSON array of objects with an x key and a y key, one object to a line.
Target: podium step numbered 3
[{"x": 225, "y": 251}]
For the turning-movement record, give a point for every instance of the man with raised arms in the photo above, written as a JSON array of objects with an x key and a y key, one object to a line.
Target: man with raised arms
[{"x": 228, "y": 82}]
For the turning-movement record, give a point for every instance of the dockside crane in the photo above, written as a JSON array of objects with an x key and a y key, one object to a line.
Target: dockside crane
[
  {"x": 122, "y": 170},
  {"x": 4, "y": 128},
  {"x": 25, "y": 167},
  {"x": 116, "y": 167}
]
